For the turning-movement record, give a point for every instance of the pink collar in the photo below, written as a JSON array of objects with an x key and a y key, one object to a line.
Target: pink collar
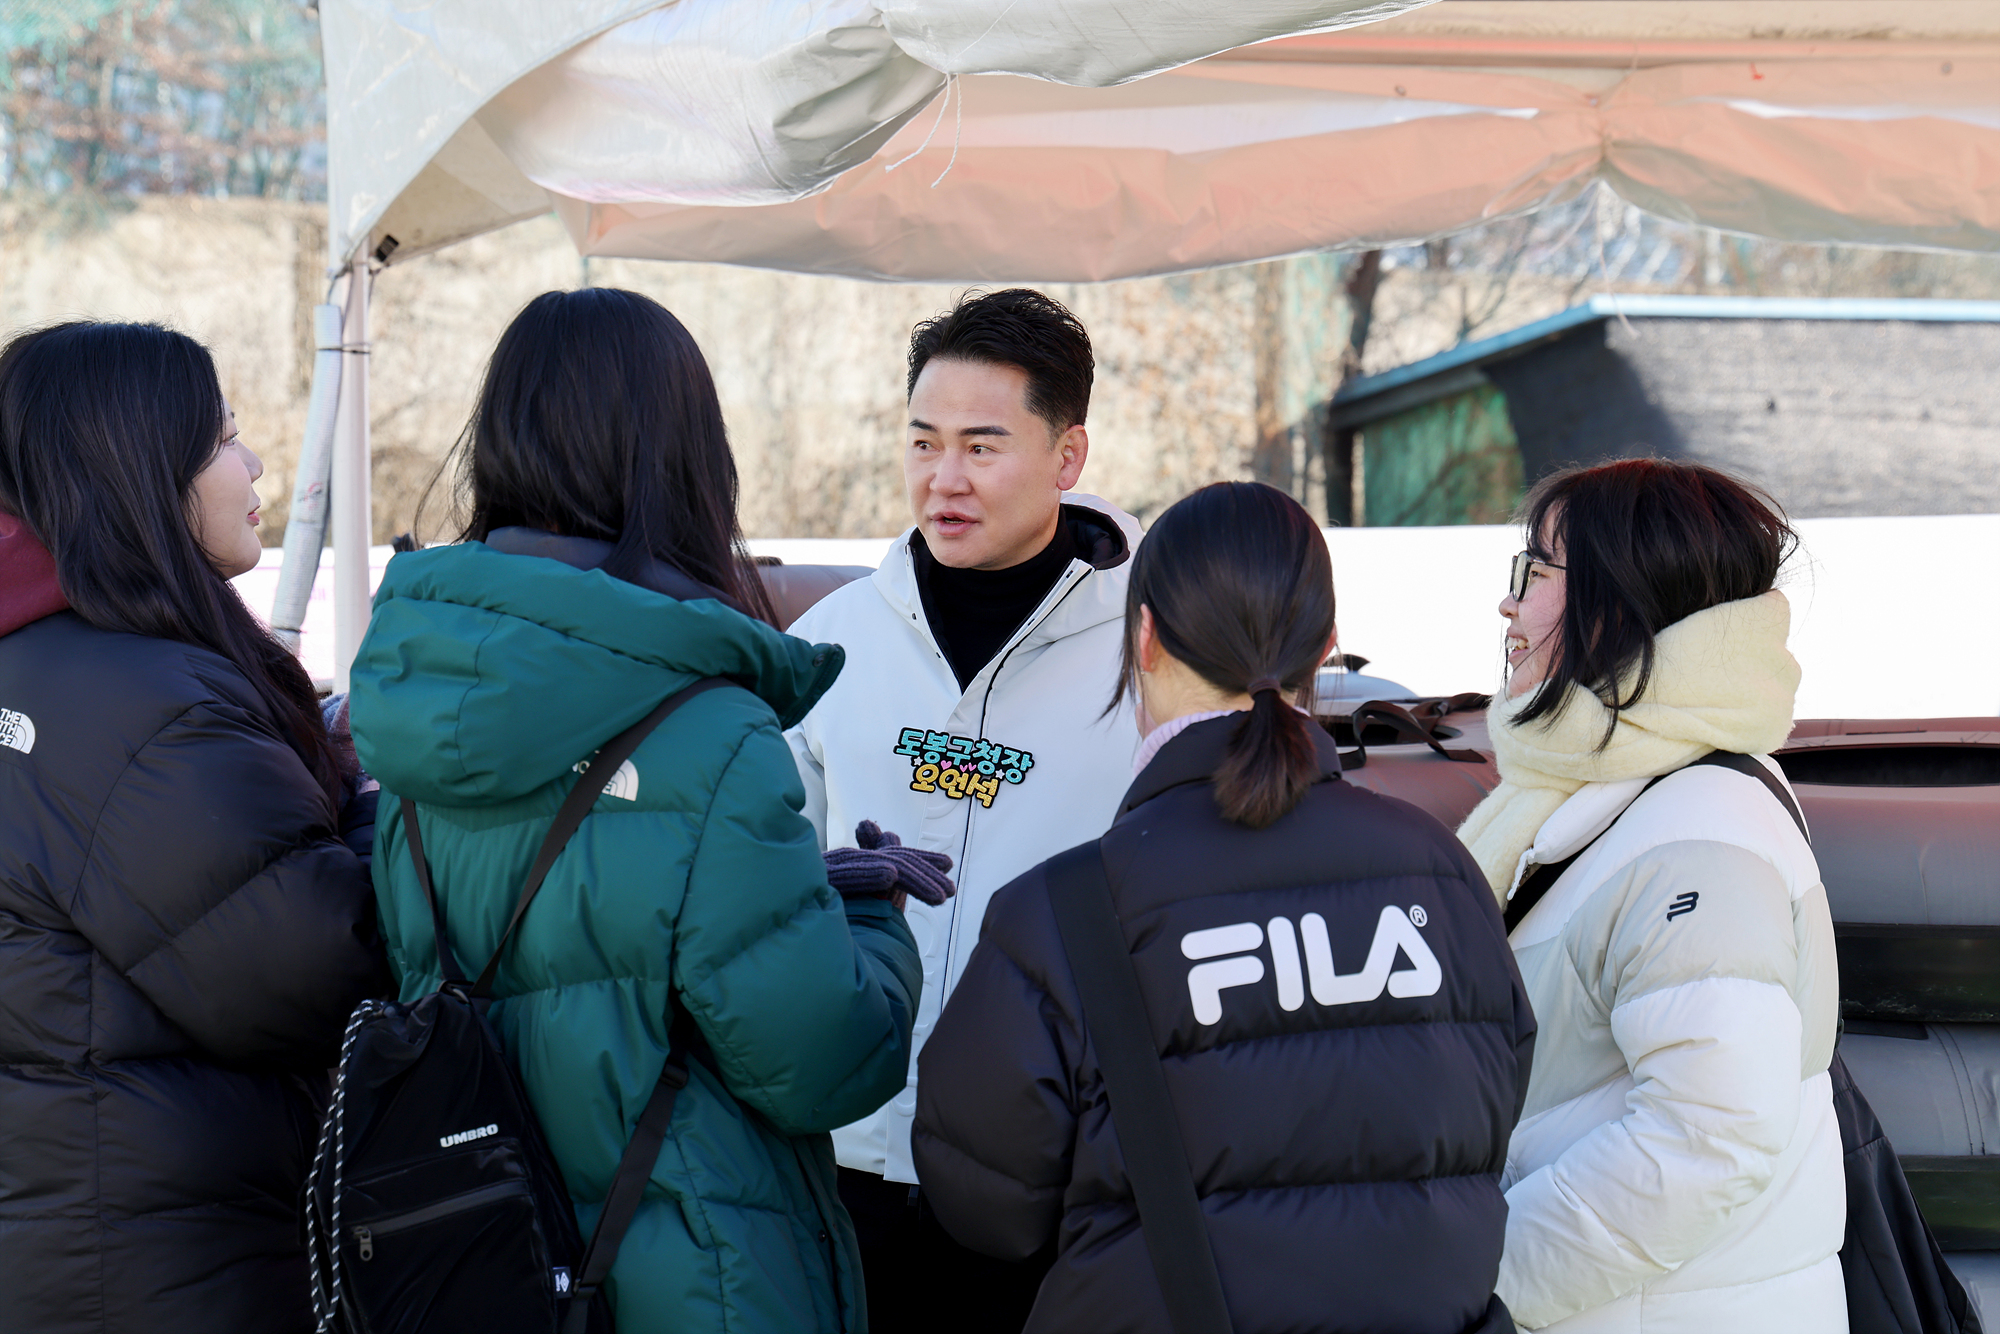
[{"x": 1166, "y": 732}]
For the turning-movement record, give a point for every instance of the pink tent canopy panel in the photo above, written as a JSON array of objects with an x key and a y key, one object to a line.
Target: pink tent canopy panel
[{"x": 885, "y": 142}]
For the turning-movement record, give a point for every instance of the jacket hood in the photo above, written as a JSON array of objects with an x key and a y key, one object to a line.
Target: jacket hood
[
  {"x": 484, "y": 675},
  {"x": 1105, "y": 539},
  {"x": 1104, "y": 535},
  {"x": 588, "y": 553},
  {"x": 28, "y": 586}
]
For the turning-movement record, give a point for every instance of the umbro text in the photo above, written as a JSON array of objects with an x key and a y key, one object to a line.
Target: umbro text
[{"x": 466, "y": 1136}]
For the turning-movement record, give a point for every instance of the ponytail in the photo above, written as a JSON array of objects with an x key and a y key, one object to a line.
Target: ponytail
[
  {"x": 1240, "y": 585},
  {"x": 1271, "y": 761}
]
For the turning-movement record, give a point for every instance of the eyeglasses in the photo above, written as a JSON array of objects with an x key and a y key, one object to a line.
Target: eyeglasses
[{"x": 1517, "y": 582}]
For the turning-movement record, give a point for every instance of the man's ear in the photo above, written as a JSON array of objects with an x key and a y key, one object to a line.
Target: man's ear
[{"x": 1074, "y": 445}]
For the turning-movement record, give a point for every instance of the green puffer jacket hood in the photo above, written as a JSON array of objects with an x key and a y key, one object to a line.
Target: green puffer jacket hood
[
  {"x": 527, "y": 658},
  {"x": 690, "y": 909}
]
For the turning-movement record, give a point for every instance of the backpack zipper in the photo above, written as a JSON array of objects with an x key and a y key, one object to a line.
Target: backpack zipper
[{"x": 365, "y": 1233}]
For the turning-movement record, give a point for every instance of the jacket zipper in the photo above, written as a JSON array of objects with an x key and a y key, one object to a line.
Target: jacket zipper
[
  {"x": 366, "y": 1233},
  {"x": 986, "y": 702},
  {"x": 829, "y": 1245}
]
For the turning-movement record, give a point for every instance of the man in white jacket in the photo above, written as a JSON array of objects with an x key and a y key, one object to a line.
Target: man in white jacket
[{"x": 970, "y": 718}]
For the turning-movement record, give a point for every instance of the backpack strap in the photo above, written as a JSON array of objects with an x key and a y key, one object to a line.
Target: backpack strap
[
  {"x": 447, "y": 961},
  {"x": 1750, "y": 768},
  {"x": 628, "y": 1184},
  {"x": 1142, "y": 1108},
  {"x": 1544, "y": 877},
  {"x": 575, "y": 806}
]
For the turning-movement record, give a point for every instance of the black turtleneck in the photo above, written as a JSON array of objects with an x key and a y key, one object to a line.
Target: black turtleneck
[{"x": 973, "y": 613}]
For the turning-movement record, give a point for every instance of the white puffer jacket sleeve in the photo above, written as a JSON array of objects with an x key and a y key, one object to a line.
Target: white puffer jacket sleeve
[
  {"x": 812, "y": 776},
  {"x": 1693, "y": 957}
]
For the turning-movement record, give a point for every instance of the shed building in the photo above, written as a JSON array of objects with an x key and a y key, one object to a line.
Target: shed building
[{"x": 1838, "y": 407}]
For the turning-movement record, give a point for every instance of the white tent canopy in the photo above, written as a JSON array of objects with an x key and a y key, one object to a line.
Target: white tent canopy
[
  {"x": 1082, "y": 145},
  {"x": 1062, "y": 140}
]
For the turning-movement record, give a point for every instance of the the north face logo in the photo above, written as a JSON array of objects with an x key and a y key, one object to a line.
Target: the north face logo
[
  {"x": 17, "y": 730},
  {"x": 624, "y": 784},
  {"x": 1394, "y": 930}
]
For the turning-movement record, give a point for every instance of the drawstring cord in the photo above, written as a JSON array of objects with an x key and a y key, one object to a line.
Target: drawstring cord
[
  {"x": 326, "y": 1289},
  {"x": 954, "y": 97}
]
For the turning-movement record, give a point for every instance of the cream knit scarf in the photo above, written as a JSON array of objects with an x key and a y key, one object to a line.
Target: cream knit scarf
[{"x": 1722, "y": 680}]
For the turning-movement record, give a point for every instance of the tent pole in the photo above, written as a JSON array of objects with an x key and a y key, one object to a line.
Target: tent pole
[
  {"x": 305, "y": 529},
  {"x": 352, "y": 521}
]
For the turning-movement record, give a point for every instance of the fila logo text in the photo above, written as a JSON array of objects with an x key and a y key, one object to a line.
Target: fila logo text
[{"x": 1394, "y": 930}]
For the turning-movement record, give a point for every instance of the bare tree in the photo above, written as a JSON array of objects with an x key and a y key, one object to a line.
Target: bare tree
[
  {"x": 1363, "y": 280},
  {"x": 122, "y": 97}
]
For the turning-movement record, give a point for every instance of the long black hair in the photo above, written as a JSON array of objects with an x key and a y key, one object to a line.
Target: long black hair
[
  {"x": 1240, "y": 585},
  {"x": 1644, "y": 543},
  {"x": 103, "y": 430},
  {"x": 598, "y": 418}
]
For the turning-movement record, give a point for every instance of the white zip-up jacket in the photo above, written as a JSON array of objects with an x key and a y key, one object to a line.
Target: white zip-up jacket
[
  {"x": 1677, "y": 1168},
  {"x": 1018, "y": 766}
]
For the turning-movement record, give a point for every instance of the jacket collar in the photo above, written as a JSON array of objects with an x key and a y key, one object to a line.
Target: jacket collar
[
  {"x": 28, "y": 586},
  {"x": 1588, "y": 812},
  {"x": 1067, "y": 610},
  {"x": 1195, "y": 755}
]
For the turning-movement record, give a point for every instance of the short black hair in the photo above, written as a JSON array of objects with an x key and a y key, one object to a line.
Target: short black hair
[
  {"x": 1018, "y": 327},
  {"x": 1645, "y": 543}
]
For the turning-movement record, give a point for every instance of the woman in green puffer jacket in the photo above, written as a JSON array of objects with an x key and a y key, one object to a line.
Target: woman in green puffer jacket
[{"x": 602, "y": 572}]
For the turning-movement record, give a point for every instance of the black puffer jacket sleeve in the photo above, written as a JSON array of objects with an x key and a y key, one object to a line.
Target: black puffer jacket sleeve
[
  {"x": 994, "y": 1156},
  {"x": 217, "y": 885}
]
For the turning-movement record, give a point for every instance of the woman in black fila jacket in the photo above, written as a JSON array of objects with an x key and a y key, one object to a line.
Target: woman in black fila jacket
[{"x": 1343, "y": 1033}]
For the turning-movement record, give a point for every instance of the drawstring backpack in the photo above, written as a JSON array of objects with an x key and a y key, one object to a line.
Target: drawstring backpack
[{"x": 434, "y": 1204}]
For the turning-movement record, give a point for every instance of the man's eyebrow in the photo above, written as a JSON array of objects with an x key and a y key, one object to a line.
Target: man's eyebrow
[{"x": 916, "y": 425}]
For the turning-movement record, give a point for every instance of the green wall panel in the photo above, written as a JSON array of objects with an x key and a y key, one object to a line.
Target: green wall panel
[{"x": 1452, "y": 460}]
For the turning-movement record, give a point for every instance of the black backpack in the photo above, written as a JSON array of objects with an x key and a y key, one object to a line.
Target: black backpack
[{"x": 434, "y": 1204}]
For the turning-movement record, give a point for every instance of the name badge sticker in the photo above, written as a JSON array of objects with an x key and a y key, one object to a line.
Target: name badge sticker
[{"x": 961, "y": 766}]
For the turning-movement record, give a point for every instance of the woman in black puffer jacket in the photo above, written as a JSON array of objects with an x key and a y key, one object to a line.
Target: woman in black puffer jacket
[
  {"x": 182, "y": 929},
  {"x": 1344, "y": 1036}
]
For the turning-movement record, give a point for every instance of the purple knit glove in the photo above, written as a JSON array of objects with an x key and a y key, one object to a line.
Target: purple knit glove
[{"x": 881, "y": 866}]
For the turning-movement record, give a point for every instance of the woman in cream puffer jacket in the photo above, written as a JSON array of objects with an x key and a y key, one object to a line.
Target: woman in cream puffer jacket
[{"x": 1677, "y": 1166}]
